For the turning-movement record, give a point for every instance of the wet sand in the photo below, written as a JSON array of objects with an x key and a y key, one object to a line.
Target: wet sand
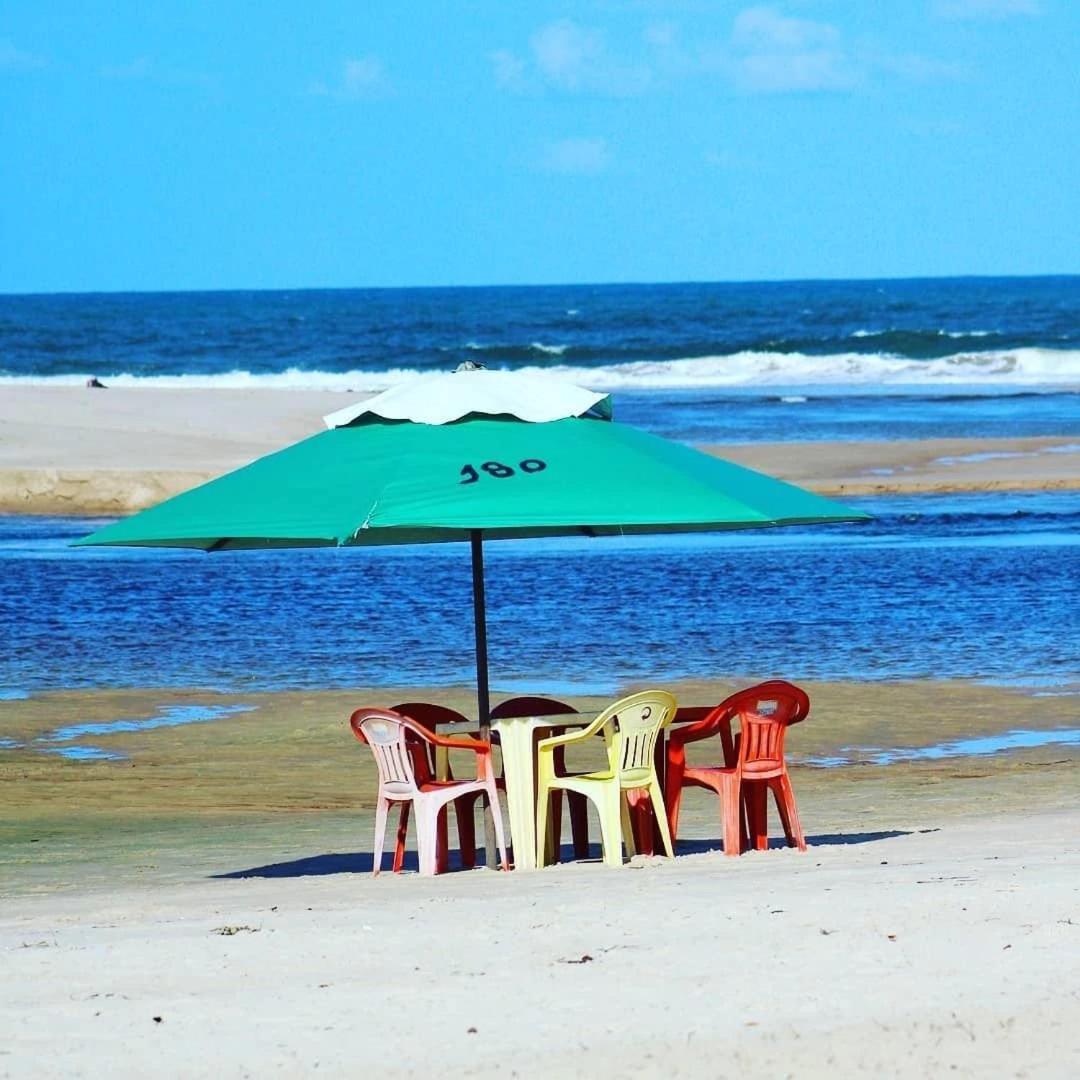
[
  {"x": 287, "y": 779},
  {"x": 70, "y": 450},
  {"x": 204, "y": 907}
]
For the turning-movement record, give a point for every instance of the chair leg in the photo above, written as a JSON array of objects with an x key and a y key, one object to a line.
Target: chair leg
[
  {"x": 641, "y": 821},
  {"x": 611, "y": 826},
  {"x": 729, "y": 809},
  {"x": 579, "y": 823},
  {"x": 500, "y": 836},
  {"x": 789, "y": 812},
  {"x": 555, "y": 827},
  {"x": 382, "y": 807},
  {"x": 656, "y": 797},
  {"x": 427, "y": 838},
  {"x": 465, "y": 813},
  {"x": 626, "y": 815},
  {"x": 673, "y": 789},
  {"x": 442, "y": 831},
  {"x": 756, "y": 796},
  {"x": 402, "y": 835},
  {"x": 543, "y": 799}
]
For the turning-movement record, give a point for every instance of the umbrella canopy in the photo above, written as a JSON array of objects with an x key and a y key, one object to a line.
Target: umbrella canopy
[
  {"x": 513, "y": 456},
  {"x": 379, "y": 481}
]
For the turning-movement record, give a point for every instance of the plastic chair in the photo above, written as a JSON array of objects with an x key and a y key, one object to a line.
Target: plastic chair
[
  {"x": 630, "y": 729},
  {"x": 424, "y": 761},
  {"x": 388, "y": 734},
  {"x": 753, "y": 764},
  {"x": 579, "y": 814}
]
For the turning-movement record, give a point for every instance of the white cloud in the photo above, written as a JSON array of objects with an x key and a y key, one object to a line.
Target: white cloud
[
  {"x": 774, "y": 53},
  {"x": 145, "y": 69},
  {"x": 509, "y": 69},
  {"x": 729, "y": 160},
  {"x": 567, "y": 54},
  {"x": 661, "y": 35},
  {"x": 922, "y": 69},
  {"x": 762, "y": 28},
  {"x": 13, "y": 59},
  {"x": 359, "y": 77},
  {"x": 578, "y": 156},
  {"x": 776, "y": 73},
  {"x": 985, "y": 9},
  {"x": 767, "y": 52},
  {"x": 362, "y": 76},
  {"x": 572, "y": 58},
  {"x": 140, "y": 68}
]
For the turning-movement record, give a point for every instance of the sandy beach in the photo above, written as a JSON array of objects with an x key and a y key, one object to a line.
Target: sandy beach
[
  {"x": 218, "y": 878},
  {"x": 70, "y": 450}
]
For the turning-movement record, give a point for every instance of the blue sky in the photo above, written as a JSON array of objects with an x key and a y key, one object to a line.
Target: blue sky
[{"x": 261, "y": 145}]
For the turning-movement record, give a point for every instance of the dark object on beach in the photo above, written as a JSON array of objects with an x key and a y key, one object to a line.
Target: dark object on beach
[
  {"x": 157, "y": 1019},
  {"x": 94, "y": 383}
]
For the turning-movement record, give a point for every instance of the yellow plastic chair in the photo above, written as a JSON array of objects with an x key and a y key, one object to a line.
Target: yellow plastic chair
[{"x": 630, "y": 729}]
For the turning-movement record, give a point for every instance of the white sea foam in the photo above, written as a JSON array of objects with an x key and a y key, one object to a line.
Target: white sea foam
[
  {"x": 1020, "y": 367},
  {"x": 866, "y": 372},
  {"x": 939, "y": 333}
]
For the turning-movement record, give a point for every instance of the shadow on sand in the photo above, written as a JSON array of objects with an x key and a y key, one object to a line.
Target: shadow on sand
[{"x": 361, "y": 862}]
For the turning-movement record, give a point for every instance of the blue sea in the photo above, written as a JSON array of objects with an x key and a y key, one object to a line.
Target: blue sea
[
  {"x": 725, "y": 362},
  {"x": 981, "y": 586}
]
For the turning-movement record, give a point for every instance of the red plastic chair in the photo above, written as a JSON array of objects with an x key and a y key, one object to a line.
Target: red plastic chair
[
  {"x": 753, "y": 764},
  {"x": 579, "y": 805},
  {"x": 388, "y": 734}
]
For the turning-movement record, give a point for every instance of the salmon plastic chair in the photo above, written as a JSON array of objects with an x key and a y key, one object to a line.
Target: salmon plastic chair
[
  {"x": 388, "y": 734},
  {"x": 579, "y": 814},
  {"x": 630, "y": 729},
  {"x": 753, "y": 766}
]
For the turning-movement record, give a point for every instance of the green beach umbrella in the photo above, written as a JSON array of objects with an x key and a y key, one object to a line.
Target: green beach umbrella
[{"x": 468, "y": 456}]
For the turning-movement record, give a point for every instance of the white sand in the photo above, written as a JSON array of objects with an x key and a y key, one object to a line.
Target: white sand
[
  {"x": 66, "y": 449},
  {"x": 952, "y": 952}
]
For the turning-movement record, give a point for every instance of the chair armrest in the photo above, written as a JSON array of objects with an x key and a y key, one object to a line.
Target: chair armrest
[
  {"x": 552, "y": 742},
  {"x": 477, "y": 746},
  {"x": 718, "y": 719}
]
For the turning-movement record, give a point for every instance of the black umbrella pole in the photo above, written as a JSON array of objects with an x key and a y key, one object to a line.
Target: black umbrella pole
[{"x": 483, "y": 697}]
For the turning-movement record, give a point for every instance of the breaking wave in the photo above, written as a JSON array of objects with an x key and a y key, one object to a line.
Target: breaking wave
[{"x": 1033, "y": 367}]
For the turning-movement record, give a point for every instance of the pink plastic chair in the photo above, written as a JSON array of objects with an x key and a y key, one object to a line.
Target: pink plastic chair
[
  {"x": 753, "y": 766},
  {"x": 430, "y": 716},
  {"x": 389, "y": 734}
]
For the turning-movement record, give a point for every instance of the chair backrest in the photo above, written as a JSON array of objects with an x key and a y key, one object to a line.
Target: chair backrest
[
  {"x": 765, "y": 712},
  {"x": 529, "y": 706},
  {"x": 388, "y": 734},
  {"x": 631, "y": 727},
  {"x": 428, "y": 715}
]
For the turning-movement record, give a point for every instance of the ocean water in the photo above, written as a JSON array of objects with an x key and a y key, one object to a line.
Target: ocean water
[
  {"x": 730, "y": 362},
  {"x": 967, "y": 586},
  {"x": 983, "y": 587}
]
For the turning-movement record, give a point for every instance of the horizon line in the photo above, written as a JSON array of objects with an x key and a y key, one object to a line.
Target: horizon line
[{"x": 541, "y": 285}]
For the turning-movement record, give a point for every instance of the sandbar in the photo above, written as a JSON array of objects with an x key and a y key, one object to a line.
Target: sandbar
[{"x": 71, "y": 450}]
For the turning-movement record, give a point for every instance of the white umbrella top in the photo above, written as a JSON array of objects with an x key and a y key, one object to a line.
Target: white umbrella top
[{"x": 451, "y": 395}]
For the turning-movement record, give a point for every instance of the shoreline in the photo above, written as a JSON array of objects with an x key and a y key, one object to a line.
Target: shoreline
[{"x": 72, "y": 451}]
